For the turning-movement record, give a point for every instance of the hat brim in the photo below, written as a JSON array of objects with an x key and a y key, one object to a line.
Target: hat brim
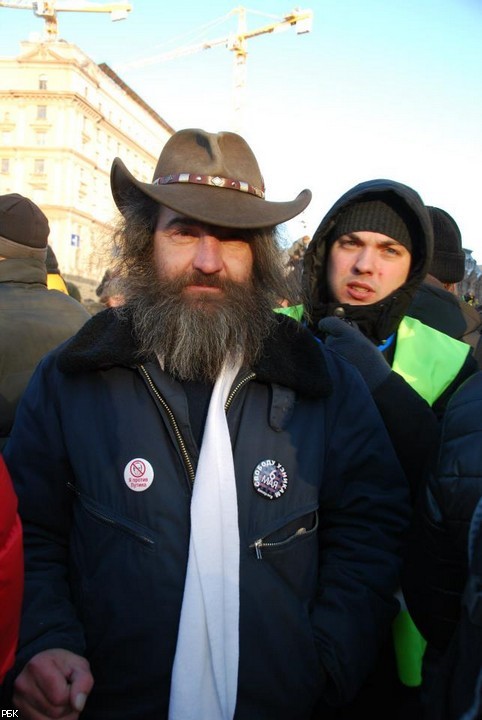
[{"x": 213, "y": 205}]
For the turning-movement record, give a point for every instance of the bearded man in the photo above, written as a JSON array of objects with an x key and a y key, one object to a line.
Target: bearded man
[{"x": 213, "y": 511}]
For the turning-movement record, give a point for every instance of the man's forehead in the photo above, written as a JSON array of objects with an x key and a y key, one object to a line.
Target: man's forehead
[{"x": 168, "y": 218}]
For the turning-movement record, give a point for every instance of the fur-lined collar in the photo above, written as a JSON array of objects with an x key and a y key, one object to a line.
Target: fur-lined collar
[{"x": 292, "y": 357}]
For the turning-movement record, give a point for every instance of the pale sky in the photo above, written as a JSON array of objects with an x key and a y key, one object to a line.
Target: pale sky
[{"x": 377, "y": 88}]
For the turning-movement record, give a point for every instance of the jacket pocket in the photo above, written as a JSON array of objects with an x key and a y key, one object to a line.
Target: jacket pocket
[
  {"x": 115, "y": 521},
  {"x": 287, "y": 537}
]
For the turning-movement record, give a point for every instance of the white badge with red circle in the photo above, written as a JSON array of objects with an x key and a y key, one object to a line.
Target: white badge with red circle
[{"x": 138, "y": 474}]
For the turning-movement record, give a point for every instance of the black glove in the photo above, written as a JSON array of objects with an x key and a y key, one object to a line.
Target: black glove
[{"x": 349, "y": 342}]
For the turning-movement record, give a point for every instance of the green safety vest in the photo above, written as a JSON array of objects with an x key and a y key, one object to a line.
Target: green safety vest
[{"x": 429, "y": 361}]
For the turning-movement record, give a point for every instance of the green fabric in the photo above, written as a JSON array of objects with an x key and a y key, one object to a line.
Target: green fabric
[
  {"x": 409, "y": 649},
  {"x": 294, "y": 311},
  {"x": 427, "y": 359}
]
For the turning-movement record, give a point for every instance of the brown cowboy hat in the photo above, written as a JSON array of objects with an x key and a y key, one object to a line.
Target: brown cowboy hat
[{"x": 213, "y": 178}]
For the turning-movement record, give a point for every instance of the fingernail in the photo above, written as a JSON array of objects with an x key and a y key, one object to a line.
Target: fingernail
[{"x": 79, "y": 702}]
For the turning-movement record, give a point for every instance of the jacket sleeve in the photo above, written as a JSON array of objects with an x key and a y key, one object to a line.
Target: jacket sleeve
[
  {"x": 435, "y": 567},
  {"x": 365, "y": 512},
  {"x": 412, "y": 425},
  {"x": 11, "y": 571},
  {"x": 49, "y": 619}
]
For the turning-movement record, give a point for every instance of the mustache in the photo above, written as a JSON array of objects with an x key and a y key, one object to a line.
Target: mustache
[{"x": 198, "y": 278}]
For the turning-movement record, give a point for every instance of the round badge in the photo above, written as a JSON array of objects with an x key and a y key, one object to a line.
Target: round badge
[
  {"x": 270, "y": 479},
  {"x": 138, "y": 474}
]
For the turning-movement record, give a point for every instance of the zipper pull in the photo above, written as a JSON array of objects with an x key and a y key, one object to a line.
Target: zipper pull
[{"x": 257, "y": 547}]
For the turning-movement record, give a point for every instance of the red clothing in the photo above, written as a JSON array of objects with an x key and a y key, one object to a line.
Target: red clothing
[{"x": 11, "y": 571}]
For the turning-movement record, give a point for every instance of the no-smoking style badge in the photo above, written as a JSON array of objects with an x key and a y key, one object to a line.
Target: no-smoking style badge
[
  {"x": 270, "y": 479},
  {"x": 138, "y": 474}
]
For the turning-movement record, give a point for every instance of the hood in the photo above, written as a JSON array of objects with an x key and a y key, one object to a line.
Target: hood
[{"x": 378, "y": 320}]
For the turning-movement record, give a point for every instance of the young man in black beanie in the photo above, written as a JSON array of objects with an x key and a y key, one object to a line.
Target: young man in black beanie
[
  {"x": 369, "y": 255},
  {"x": 367, "y": 259},
  {"x": 436, "y": 303}
]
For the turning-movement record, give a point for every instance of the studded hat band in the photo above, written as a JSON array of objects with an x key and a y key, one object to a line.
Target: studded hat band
[{"x": 210, "y": 180}]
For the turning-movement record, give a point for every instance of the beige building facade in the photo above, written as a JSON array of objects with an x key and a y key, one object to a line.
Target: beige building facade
[{"x": 63, "y": 119}]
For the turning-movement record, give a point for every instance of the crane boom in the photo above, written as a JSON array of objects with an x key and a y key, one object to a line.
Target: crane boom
[
  {"x": 233, "y": 41},
  {"x": 237, "y": 43},
  {"x": 47, "y": 9}
]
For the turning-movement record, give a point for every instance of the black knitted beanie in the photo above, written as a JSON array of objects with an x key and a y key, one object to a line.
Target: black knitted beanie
[
  {"x": 448, "y": 263},
  {"x": 374, "y": 216}
]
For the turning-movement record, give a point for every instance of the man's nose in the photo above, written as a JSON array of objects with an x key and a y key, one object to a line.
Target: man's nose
[
  {"x": 208, "y": 258},
  {"x": 365, "y": 259}
]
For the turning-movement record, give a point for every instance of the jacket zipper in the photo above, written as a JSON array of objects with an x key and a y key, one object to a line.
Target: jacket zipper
[
  {"x": 182, "y": 445},
  {"x": 237, "y": 387},
  {"x": 260, "y": 543}
]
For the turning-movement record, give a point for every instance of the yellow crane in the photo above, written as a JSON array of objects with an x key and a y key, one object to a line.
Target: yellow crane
[
  {"x": 48, "y": 9},
  {"x": 237, "y": 43}
]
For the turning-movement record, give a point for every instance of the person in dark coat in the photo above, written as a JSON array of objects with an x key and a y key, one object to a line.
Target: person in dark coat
[
  {"x": 33, "y": 319},
  {"x": 436, "y": 567},
  {"x": 213, "y": 511},
  {"x": 436, "y": 303}
]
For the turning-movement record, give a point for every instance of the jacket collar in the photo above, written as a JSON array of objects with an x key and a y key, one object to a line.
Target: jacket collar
[
  {"x": 291, "y": 356},
  {"x": 23, "y": 270}
]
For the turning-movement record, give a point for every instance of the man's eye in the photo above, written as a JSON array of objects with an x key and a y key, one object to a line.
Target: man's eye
[
  {"x": 349, "y": 242},
  {"x": 184, "y": 232}
]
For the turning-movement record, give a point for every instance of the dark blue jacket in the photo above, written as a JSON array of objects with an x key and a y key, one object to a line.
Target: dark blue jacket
[
  {"x": 105, "y": 564},
  {"x": 436, "y": 557}
]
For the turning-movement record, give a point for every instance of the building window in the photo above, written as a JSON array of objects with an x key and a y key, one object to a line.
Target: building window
[
  {"x": 41, "y": 112},
  {"x": 39, "y": 167},
  {"x": 5, "y": 165},
  {"x": 42, "y": 82},
  {"x": 40, "y": 138}
]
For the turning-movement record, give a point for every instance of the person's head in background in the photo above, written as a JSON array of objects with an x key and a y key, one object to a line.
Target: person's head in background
[
  {"x": 448, "y": 262},
  {"x": 55, "y": 281},
  {"x": 24, "y": 229},
  {"x": 109, "y": 290}
]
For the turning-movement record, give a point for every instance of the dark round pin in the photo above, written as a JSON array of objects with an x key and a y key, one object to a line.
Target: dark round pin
[{"x": 270, "y": 479}]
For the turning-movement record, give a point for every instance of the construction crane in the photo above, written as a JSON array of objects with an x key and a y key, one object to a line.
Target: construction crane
[
  {"x": 237, "y": 43},
  {"x": 48, "y": 9}
]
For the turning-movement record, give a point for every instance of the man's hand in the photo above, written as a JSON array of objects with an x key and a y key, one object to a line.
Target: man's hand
[
  {"x": 349, "y": 342},
  {"x": 53, "y": 684}
]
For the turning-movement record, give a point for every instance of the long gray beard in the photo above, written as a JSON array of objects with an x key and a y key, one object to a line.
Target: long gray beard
[{"x": 195, "y": 338}]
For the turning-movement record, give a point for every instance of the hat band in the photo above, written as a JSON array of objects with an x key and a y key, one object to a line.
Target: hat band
[{"x": 215, "y": 180}]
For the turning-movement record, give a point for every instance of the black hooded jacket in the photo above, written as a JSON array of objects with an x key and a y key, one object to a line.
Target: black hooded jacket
[
  {"x": 378, "y": 320},
  {"x": 411, "y": 422}
]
